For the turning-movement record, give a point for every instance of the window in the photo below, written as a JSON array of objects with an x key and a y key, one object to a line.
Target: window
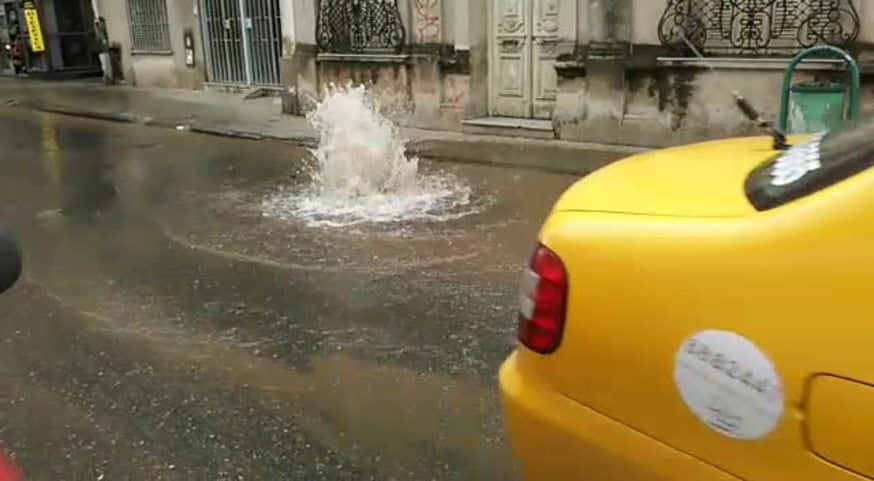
[
  {"x": 820, "y": 162},
  {"x": 359, "y": 26},
  {"x": 757, "y": 27},
  {"x": 149, "y": 28}
]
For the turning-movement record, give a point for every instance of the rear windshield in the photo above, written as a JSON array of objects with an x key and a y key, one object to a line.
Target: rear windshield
[{"x": 821, "y": 161}]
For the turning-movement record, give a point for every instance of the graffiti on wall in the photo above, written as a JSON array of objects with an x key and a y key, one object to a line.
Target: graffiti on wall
[{"x": 428, "y": 28}]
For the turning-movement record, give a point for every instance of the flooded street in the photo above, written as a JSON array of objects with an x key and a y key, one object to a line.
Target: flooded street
[{"x": 174, "y": 321}]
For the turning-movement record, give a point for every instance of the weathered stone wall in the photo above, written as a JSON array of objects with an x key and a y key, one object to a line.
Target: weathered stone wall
[
  {"x": 477, "y": 57},
  {"x": 455, "y": 100},
  {"x": 298, "y": 71},
  {"x": 391, "y": 82},
  {"x": 645, "y": 16},
  {"x": 164, "y": 70},
  {"x": 427, "y": 85},
  {"x": 183, "y": 16},
  {"x": 663, "y": 106},
  {"x": 151, "y": 71},
  {"x": 612, "y": 88},
  {"x": 610, "y": 21}
]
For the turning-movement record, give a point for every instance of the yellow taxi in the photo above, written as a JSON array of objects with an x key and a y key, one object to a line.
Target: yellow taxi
[{"x": 703, "y": 313}]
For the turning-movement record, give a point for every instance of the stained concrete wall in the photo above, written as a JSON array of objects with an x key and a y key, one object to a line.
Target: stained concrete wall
[
  {"x": 478, "y": 36},
  {"x": 438, "y": 81},
  {"x": 866, "y": 38},
  {"x": 583, "y": 34},
  {"x": 158, "y": 70},
  {"x": 662, "y": 106},
  {"x": 115, "y": 13},
  {"x": 304, "y": 14},
  {"x": 665, "y": 106},
  {"x": 627, "y": 97},
  {"x": 459, "y": 83},
  {"x": 866, "y": 34},
  {"x": 460, "y": 24},
  {"x": 184, "y": 16},
  {"x": 298, "y": 71},
  {"x": 866, "y": 17},
  {"x": 610, "y": 21},
  {"x": 645, "y": 18},
  {"x": 390, "y": 82},
  {"x": 611, "y": 89},
  {"x": 447, "y": 20}
]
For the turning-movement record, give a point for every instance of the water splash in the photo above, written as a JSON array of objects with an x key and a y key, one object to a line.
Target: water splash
[{"x": 363, "y": 174}]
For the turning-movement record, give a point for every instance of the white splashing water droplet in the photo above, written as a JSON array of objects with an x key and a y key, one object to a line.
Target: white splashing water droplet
[{"x": 363, "y": 174}]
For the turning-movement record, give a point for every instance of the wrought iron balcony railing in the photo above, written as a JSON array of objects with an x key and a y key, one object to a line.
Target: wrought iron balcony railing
[
  {"x": 757, "y": 27},
  {"x": 359, "y": 26}
]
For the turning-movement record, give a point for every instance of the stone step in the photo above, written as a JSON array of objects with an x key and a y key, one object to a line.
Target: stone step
[{"x": 510, "y": 127}]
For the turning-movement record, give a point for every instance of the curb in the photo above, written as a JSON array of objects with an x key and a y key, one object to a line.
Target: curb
[
  {"x": 220, "y": 131},
  {"x": 555, "y": 156},
  {"x": 205, "y": 129},
  {"x": 224, "y": 132},
  {"x": 301, "y": 140},
  {"x": 123, "y": 117}
]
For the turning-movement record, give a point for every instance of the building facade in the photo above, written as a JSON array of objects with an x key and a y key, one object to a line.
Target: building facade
[
  {"x": 192, "y": 44},
  {"x": 614, "y": 71},
  {"x": 150, "y": 36},
  {"x": 48, "y": 38}
]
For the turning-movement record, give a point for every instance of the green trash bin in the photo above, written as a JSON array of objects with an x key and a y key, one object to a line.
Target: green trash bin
[{"x": 816, "y": 106}]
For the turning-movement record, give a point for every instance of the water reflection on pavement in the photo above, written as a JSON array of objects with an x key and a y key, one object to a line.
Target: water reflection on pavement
[{"x": 165, "y": 329}]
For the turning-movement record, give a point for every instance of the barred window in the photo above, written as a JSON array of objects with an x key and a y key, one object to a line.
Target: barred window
[
  {"x": 149, "y": 28},
  {"x": 359, "y": 26},
  {"x": 757, "y": 27}
]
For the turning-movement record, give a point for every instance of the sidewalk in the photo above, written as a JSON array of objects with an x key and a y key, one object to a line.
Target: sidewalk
[{"x": 228, "y": 114}]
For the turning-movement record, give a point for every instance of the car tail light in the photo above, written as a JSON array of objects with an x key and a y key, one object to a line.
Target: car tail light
[{"x": 542, "y": 302}]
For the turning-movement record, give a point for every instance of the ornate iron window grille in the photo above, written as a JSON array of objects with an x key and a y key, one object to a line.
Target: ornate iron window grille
[
  {"x": 359, "y": 26},
  {"x": 757, "y": 27},
  {"x": 149, "y": 27}
]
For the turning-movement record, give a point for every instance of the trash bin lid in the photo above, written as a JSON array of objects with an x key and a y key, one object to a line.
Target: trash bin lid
[{"x": 819, "y": 87}]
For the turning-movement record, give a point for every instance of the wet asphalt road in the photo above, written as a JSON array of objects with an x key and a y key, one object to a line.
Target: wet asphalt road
[{"x": 165, "y": 329}]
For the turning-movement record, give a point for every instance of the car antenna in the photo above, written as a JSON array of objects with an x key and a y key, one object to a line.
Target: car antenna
[{"x": 749, "y": 111}]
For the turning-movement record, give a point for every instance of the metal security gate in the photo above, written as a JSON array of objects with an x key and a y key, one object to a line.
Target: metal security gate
[{"x": 243, "y": 40}]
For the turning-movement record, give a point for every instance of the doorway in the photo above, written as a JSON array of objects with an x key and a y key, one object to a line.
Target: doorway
[
  {"x": 243, "y": 40},
  {"x": 523, "y": 41}
]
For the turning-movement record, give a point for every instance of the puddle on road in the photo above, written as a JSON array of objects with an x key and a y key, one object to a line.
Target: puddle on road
[
  {"x": 435, "y": 198},
  {"x": 210, "y": 194},
  {"x": 225, "y": 218},
  {"x": 104, "y": 224},
  {"x": 230, "y": 222}
]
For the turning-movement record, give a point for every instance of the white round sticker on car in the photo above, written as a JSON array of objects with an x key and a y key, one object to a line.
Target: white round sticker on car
[{"x": 730, "y": 384}]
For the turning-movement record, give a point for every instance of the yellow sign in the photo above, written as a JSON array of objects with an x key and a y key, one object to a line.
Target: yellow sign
[{"x": 34, "y": 31}]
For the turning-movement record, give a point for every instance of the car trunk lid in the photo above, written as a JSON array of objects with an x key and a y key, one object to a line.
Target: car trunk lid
[{"x": 702, "y": 180}]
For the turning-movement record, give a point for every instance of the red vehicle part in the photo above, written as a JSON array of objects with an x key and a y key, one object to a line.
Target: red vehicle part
[
  {"x": 8, "y": 471},
  {"x": 18, "y": 51}
]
